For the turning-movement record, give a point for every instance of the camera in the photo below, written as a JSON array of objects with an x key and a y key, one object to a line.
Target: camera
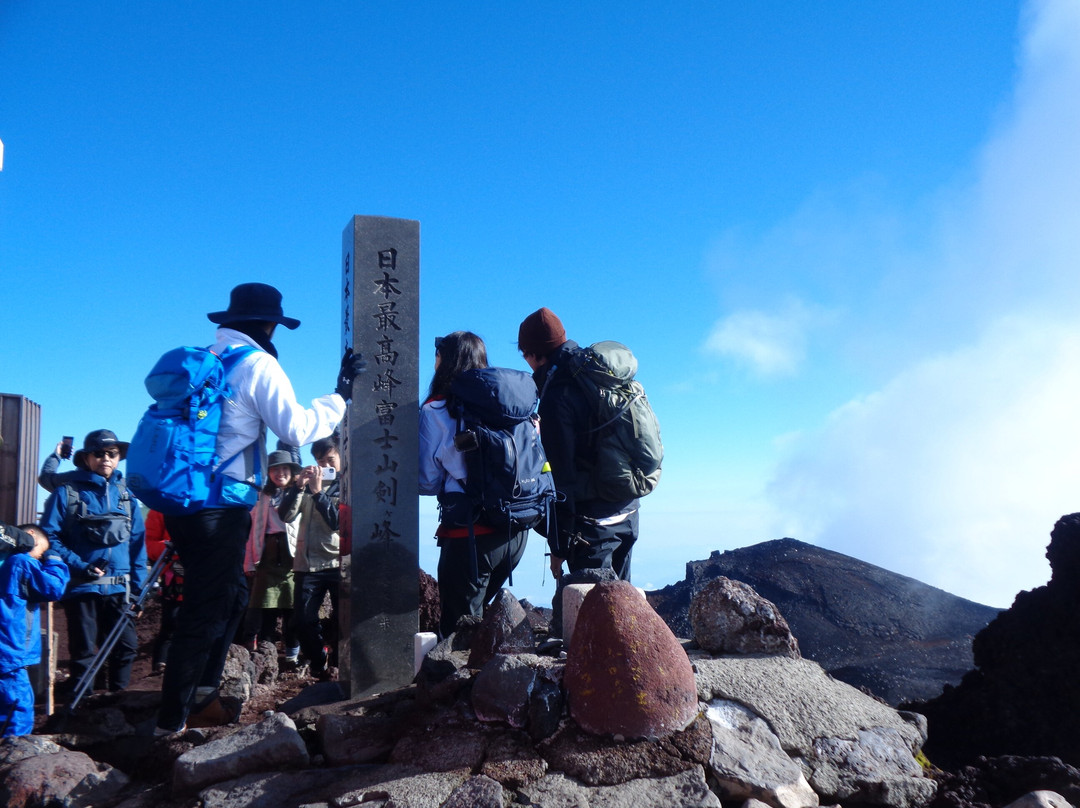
[
  {"x": 328, "y": 473},
  {"x": 466, "y": 441}
]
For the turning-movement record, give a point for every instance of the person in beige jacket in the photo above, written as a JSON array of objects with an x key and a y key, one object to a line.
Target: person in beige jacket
[{"x": 317, "y": 564}]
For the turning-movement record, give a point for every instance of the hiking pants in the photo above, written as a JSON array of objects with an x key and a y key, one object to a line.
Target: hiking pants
[
  {"x": 311, "y": 590},
  {"x": 459, "y": 594},
  {"x": 600, "y": 545},
  {"x": 211, "y": 543},
  {"x": 16, "y": 703},
  {"x": 90, "y": 620}
]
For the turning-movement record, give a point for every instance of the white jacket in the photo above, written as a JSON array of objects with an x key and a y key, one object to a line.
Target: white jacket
[{"x": 263, "y": 397}]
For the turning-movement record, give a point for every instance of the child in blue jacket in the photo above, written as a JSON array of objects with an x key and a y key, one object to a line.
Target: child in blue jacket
[{"x": 26, "y": 579}]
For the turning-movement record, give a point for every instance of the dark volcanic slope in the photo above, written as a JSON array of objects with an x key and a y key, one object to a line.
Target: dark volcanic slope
[{"x": 900, "y": 638}]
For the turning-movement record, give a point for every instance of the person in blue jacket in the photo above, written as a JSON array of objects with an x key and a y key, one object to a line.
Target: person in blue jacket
[
  {"x": 26, "y": 579},
  {"x": 95, "y": 525}
]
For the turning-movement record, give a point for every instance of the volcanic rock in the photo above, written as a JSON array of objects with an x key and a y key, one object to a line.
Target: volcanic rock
[
  {"x": 1024, "y": 695},
  {"x": 505, "y": 629},
  {"x": 730, "y": 617}
]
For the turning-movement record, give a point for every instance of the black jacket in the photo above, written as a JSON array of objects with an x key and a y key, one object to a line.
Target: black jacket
[{"x": 566, "y": 418}]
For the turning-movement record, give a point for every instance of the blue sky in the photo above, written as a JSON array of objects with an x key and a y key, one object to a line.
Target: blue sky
[{"x": 840, "y": 237}]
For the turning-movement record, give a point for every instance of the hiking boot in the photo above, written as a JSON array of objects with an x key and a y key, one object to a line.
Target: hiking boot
[{"x": 217, "y": 712}]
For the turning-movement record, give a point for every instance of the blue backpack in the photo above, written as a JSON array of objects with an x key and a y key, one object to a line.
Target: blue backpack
[
  {"x": 172, "y": 461},
  {"x": 508, "y": 481}
]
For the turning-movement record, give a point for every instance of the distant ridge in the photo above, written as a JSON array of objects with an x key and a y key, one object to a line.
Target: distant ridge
[{"x": 897, "y": 637}]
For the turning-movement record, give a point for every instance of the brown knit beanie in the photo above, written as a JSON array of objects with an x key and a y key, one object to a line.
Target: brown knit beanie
[{"x": 541, "y": 333}]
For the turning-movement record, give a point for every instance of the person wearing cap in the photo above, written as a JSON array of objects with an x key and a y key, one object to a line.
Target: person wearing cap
[
  {"x": 592, "y": 533},
  {"x": 268, "y": 560},
  {"x": 95, "y": 525},
  {"x": 212, "y": 541}
]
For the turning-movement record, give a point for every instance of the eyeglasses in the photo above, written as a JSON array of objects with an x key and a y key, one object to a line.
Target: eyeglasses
[{"x": 112, "y": 454}]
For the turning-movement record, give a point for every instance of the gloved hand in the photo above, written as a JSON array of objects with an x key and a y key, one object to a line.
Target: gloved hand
[{"x": 352, "y": 365}]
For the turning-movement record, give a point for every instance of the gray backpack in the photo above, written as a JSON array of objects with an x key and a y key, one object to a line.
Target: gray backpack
[{"x": 625, "y": 433}]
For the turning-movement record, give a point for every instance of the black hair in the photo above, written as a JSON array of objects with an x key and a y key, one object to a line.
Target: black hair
[
  {"x": 458, "y": 352},
  {"x": 323, "y": 445},
  {"x": 33, "y": 529}
]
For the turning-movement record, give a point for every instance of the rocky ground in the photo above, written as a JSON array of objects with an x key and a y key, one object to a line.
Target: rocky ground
[
  {"x": 498, "y": 728},
  {"x": 289, "y": 682}
]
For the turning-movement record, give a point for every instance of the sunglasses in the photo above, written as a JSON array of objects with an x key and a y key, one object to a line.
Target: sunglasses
[{"x": 110, "y": 453}]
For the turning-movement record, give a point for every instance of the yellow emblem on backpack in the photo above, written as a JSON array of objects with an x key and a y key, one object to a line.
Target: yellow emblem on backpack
[{"x": 201, "y": 414}]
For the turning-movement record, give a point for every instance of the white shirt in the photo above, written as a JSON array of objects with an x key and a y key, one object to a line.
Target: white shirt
[
  {"x": 442, "y": 466},
  {"x": 263, "y": 397}
]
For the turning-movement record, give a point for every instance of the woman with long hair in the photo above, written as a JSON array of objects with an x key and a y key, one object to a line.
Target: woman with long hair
[{"x": 443, "y": 474}]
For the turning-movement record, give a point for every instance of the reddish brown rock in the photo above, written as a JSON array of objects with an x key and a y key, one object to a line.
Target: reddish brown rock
[
  {"x": 730, "y": 617},
  {"x": 626, "y": 673}
]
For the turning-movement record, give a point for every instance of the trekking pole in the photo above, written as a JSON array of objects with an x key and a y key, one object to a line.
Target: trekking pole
[
  {"x": 130, "y": 613},
  {"x": 50, "y": 660}
]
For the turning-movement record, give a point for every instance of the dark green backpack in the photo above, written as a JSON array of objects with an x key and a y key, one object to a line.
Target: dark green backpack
[{"x": 625, "y": 433}]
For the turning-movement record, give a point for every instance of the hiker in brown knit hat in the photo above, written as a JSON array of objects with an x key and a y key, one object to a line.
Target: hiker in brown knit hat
[{"x": 591, "y": 532}]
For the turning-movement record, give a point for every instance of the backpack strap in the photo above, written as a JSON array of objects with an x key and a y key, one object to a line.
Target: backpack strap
[
  {"x": 125, "y": 501},
  {"x": 230, "y": 358},
  {"x": 74, "y": 504}
]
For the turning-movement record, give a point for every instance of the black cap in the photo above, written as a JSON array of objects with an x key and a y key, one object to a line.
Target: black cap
[{"x": 99, "y": 440}]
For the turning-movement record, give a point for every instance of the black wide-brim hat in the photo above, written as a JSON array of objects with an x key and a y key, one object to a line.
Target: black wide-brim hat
[
  {"x": 253, "y": 301},
  {"x": 97, "y": 441}
]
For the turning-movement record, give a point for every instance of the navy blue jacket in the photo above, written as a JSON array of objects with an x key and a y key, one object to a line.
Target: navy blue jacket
[{"x": 101, "y": 534}]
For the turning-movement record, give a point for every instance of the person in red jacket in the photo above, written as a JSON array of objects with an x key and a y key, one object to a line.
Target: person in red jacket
[{"x": 172, "y": 587}]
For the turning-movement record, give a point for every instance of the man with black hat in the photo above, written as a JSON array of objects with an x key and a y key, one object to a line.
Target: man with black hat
[
  {"x": 212, "y": 541},
  {"x": 592, "y": 533},
  {"x": 95, "y": 525}
]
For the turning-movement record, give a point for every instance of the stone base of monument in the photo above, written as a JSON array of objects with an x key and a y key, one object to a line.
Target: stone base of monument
[
  {"x": 572, "y": 598},
  {"x": 423, "y": 641}
]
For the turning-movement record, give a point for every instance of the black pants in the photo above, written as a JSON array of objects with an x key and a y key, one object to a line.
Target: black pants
[
  {"x": 598, "y": 545},
  {"x": 311, "y": 590},
  {"x": 170, "y": 610},
  {"x": 90, "y": 619},
  {"x": 211, "y": 542},
  {"x": 459, "y": 593}
]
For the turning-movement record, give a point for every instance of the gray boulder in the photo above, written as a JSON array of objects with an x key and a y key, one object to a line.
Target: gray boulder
[
  {"x": 1041, "y": 799},
  {"x": 37, "y": 772},
  {"x": 238, "y": 678},
  {"x": 685, "y": 789},
  {"x": 476, "y": 792},
  {"x": 505, "y": 629},
  {"x": 510, "y": 688},
  {"x": 851, "y": 747},
  {"x": 364, "y": 785},
  {"x": 747, "y": 761},
  {"x": 269, "y": 745}
]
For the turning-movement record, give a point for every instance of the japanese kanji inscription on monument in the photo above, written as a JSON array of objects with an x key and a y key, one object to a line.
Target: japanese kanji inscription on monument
[{"x": 379, "y": 505}]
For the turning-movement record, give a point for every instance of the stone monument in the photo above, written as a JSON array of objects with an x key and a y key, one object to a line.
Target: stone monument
[{"x": 379, "y": 499}]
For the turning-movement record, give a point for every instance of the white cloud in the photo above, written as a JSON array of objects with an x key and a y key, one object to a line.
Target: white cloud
[
  {"x": 769, "y": 344},
  {"x": 955, "y": 470}
]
